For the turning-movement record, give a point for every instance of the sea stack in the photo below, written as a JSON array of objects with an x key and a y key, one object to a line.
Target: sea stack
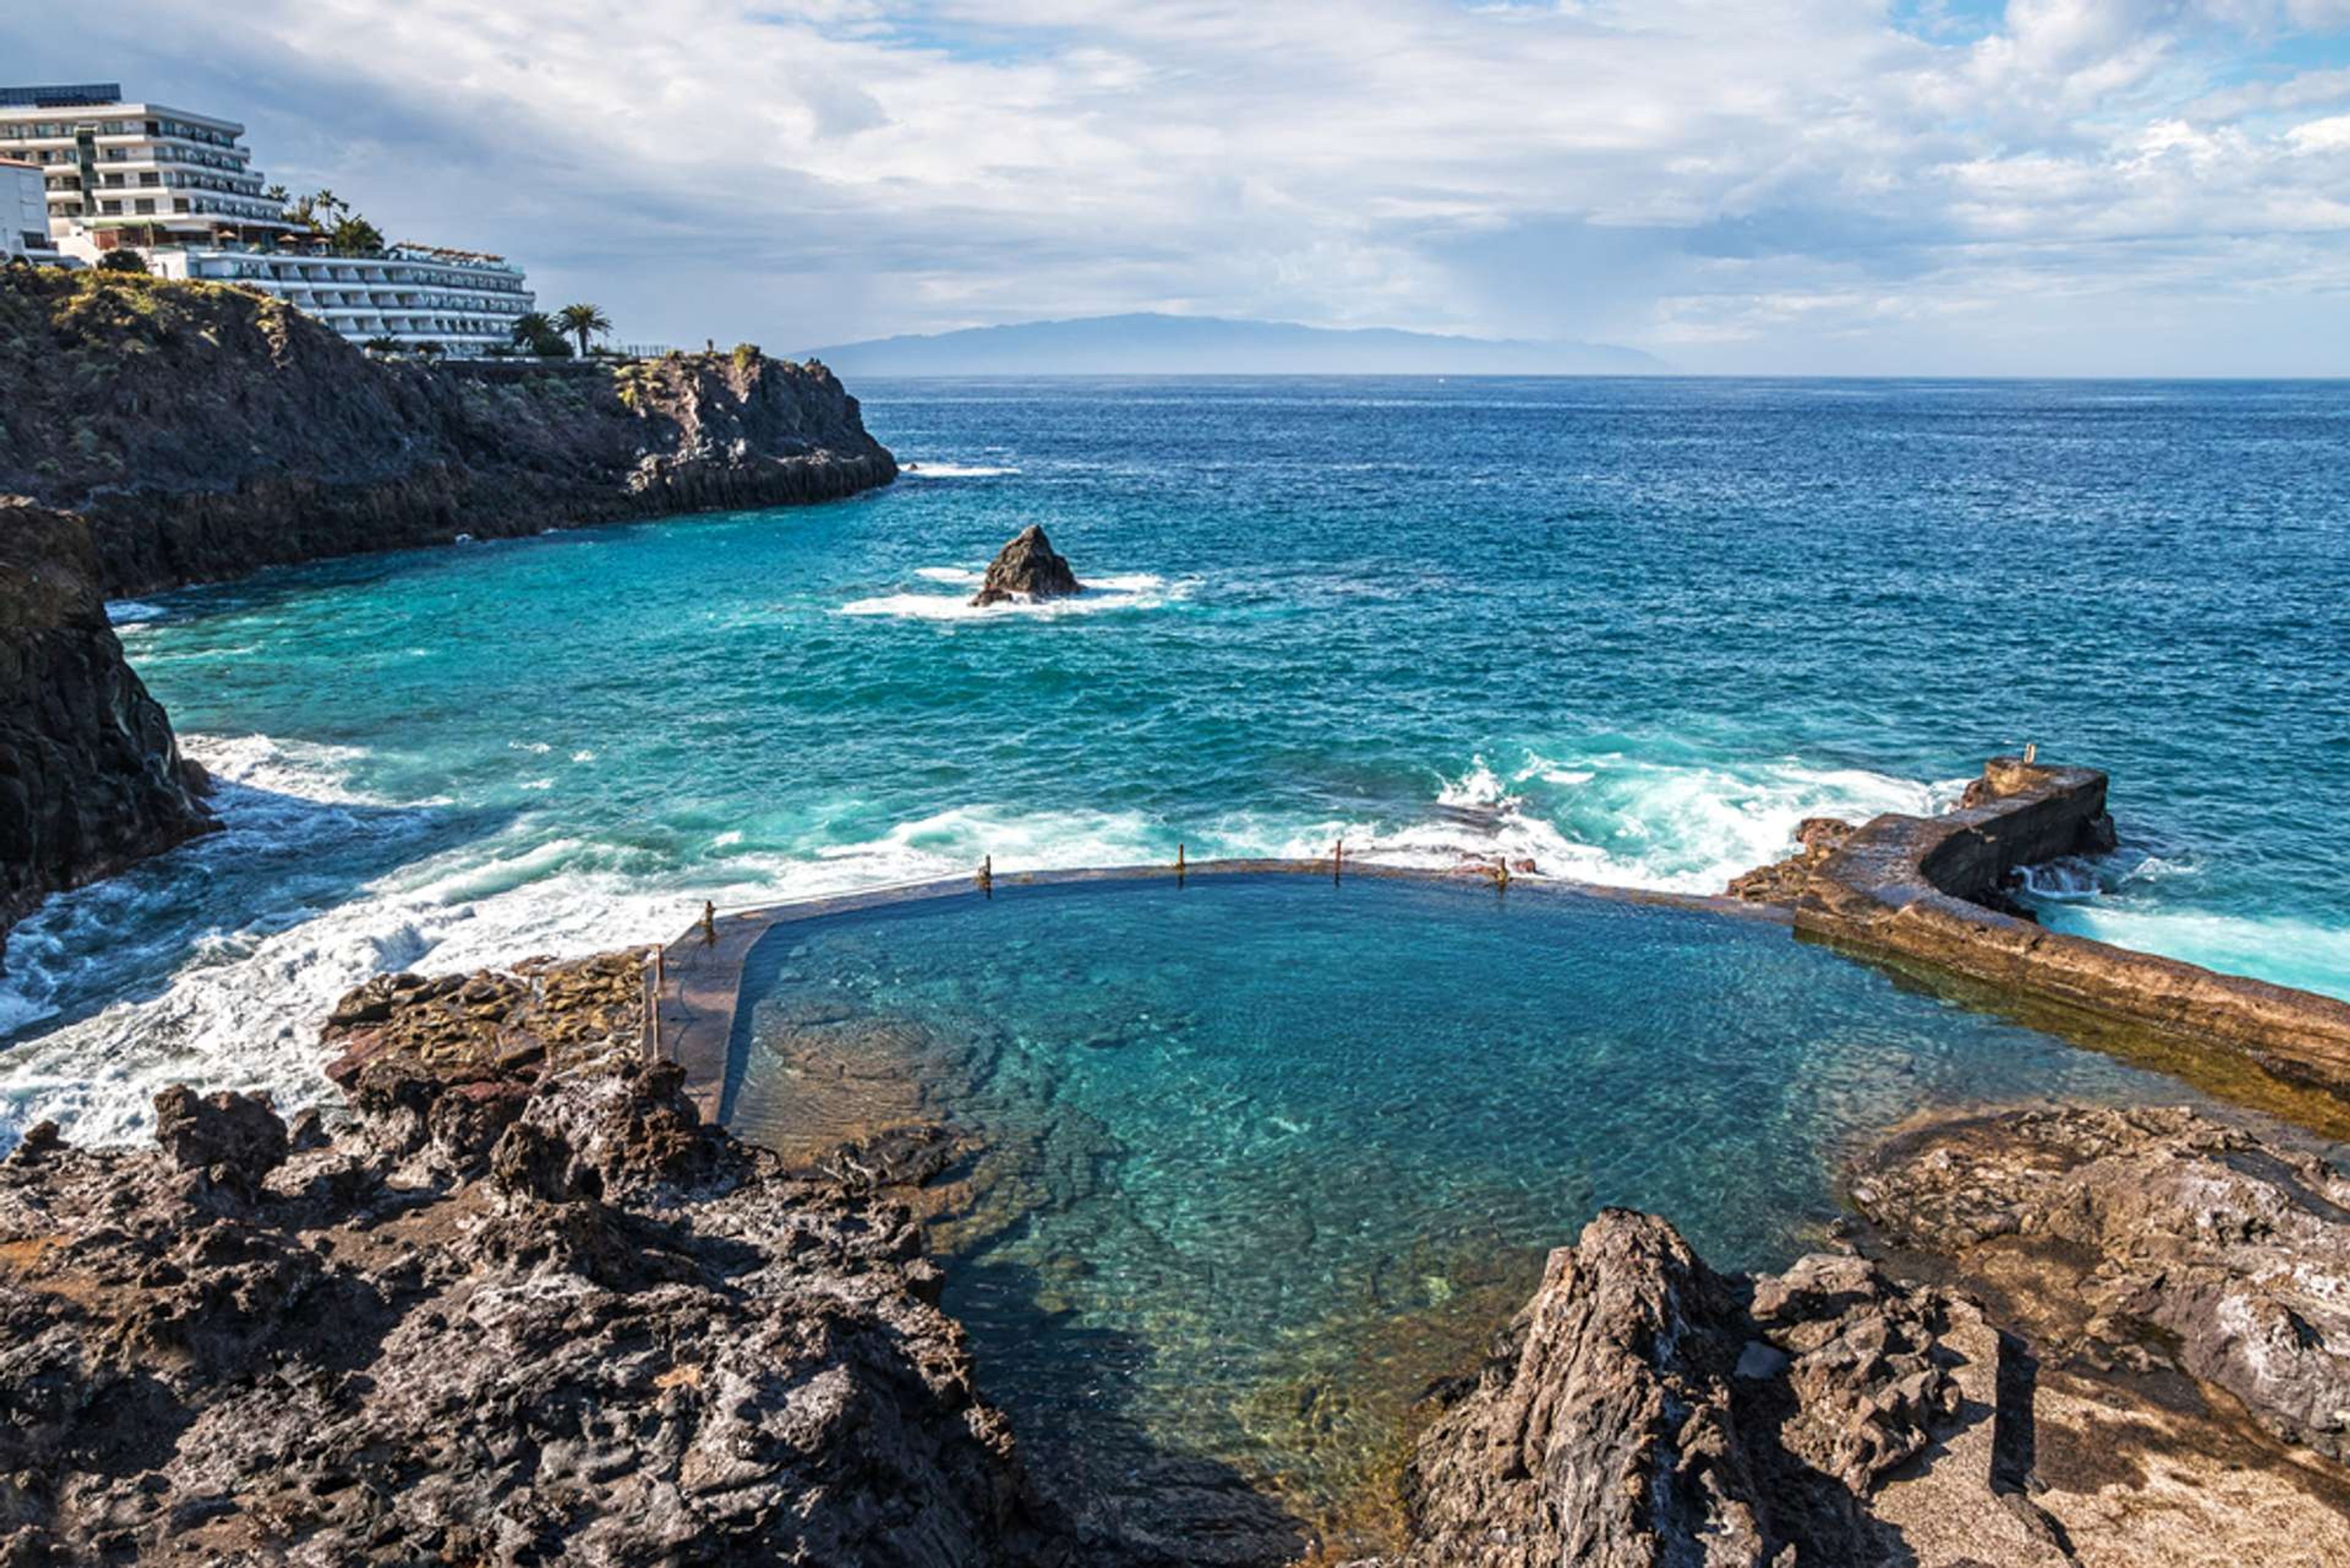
[{"x": 1028, "y": 568}]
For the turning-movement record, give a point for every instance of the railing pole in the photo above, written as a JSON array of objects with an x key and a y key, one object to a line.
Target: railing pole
[
  {"x": 658, "y": 969},
  {"x": 1338, "y": 860},
  {"x": 1179, "y": 866}
]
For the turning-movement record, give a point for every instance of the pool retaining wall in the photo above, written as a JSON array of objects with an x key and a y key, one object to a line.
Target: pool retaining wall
[{"x": 1906, "y": 887}]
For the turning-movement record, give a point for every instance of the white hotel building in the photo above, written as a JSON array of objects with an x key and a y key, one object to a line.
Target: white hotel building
[
  {"x": 24, "y": 211},
  {"x": 181, "y": 187}
]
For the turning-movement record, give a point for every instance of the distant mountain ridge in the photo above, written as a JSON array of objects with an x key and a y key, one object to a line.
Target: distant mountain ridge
[{"x": 1153, "y": 344}]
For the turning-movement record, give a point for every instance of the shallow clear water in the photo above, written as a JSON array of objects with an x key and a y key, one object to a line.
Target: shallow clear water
[
  {"x": 1264, "y": 1155},
  {"x": 1632, "y": 629}
]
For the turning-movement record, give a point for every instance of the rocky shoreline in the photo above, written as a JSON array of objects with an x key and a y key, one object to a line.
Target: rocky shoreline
[
  {"x": 514, "y": 1303},
  {"x": 228, "y": 431},
  {"x": 159, "y": 433}
]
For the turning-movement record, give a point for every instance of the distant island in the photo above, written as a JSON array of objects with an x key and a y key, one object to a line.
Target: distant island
[{"x": 1151, "y": 344}]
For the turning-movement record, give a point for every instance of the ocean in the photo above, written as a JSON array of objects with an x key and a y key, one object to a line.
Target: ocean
[{"x": 1633, "y": 630}]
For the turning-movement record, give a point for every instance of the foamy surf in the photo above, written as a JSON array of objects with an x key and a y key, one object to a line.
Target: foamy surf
[
  {"x": 953, "y": 471},
  {"x": 132, "y": 612},
  {"x": 1103, "y": 595}
]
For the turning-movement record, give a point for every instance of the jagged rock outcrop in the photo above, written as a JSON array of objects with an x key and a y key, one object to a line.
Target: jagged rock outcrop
[
  {"x": 1028, "y": 568},
  {"x": 1784, "y": 881},
  {"x": 587, "y": 1331},
  {"x": 2152, "y": 1238},
  {"x": 1644, "y": 1409},
  {"x": 537, "y": 1017},
  {"x": 205, "y": 432},
  {"x": 90, "y": 776}
]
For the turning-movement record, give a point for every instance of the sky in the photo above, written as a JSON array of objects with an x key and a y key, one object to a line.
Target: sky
[{"x": 2054, "y": 187}]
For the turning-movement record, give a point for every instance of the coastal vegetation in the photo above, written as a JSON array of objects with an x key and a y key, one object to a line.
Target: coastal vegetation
[{"x": 583, "y": 322}]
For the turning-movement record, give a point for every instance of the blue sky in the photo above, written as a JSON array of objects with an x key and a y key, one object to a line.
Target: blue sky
[{"x": 1936, "y": 186}]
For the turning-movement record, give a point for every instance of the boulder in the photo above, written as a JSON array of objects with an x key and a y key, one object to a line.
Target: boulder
[
  {"x": 1028, "y": 568},
  {"x": 1644, "y": 1409},
  {"x": 238, "y": 1136}
]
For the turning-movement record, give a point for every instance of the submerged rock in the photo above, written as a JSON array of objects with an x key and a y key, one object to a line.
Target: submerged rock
[
  {"x": 1028, "y": 567},
  {"x": 621, "y": 1339},
  {"x": 2144, "y": 1239}
]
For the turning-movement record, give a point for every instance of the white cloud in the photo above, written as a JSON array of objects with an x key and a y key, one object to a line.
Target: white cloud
[{"x": 801, "y": 171}]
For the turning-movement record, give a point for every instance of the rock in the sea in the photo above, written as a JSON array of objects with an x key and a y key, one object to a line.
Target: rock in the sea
[
  {"x": 2142, "y": 1239},
  {"x": 1028, "y": 568},
  {"x": 1644, "y": 1409},
  {"x": 624, "y": 1339},
  {"x": 90, "y": 776}
]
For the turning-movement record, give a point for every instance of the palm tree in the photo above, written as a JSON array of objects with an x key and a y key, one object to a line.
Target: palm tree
[
  {"x": 531, "y": 329},
  {"x": 381, "y": 347},
  {"x": 583, "y": 321}
]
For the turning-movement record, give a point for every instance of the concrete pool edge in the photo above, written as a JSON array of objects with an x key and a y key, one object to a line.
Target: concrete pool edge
[
  {"x": 692, "y": 1019},
  {"x": 695, "y": 1009}
]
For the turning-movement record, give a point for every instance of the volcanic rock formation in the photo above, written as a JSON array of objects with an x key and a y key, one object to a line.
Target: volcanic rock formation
[
  {"x": 1643, "y": 1408},
  {"x": 487, "y": 1324},
  {"x": 205, "y": 432},
  {"x": 2148, "y": 1239},
  {"x": 1028, "y": 568},
  {"x": 90, "y": 776}
]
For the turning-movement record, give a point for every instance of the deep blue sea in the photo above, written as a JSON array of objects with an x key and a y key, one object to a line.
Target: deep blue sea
[{"x": 1631, "y": 629}]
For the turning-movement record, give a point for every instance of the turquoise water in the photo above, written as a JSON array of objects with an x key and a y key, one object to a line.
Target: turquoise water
[
  {"x": 1264, "y": 1155},
  {"x": 1631, "y": 630}
]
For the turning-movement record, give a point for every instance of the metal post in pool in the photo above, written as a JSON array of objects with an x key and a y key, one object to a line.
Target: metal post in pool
[
  {"x": 1179, "y": 866},
  {"x": 987, "y": 875},
  {"x": 1338, "y": 860}
]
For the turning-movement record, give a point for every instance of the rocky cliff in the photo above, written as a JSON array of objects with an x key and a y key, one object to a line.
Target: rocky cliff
[
  {"x": 90, "y": 778},
  {"x": 204, "y": 432}
]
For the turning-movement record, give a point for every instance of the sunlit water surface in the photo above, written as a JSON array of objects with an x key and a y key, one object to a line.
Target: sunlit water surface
[{"x": 1262, "y": 1156}]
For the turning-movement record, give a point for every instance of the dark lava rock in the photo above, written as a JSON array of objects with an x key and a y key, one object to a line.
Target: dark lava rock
[
  {"x": 1784, "y": 881},
  {"x": 1028, "y": 567},
  {"x": 1643, "y": 1410},
  {"x": 232, "y": 432},
  {"x": 90, "y": 776},
  {"x": 2142, "y": 1239},
  {"x": 628, "y": 1340},
  {"x": 239, "y": 1136}
]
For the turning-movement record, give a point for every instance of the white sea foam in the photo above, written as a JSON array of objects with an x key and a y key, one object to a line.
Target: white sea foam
[
  {"x": 2284, "y": 951},
  {"x": 132, "y": 612},
  {"x": 954, "y": 470},
  {"x": 970, "y": 574},
  {"x": 1621, "y": 820},
  {"x": 1103, "y": 595}
]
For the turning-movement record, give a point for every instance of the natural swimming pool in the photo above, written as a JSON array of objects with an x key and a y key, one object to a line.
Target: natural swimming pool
[{"x": 1258, "y": 1157}]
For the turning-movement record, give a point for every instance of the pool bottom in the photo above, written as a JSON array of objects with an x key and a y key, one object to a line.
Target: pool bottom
[{"x": 1255, "y": 1160}]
